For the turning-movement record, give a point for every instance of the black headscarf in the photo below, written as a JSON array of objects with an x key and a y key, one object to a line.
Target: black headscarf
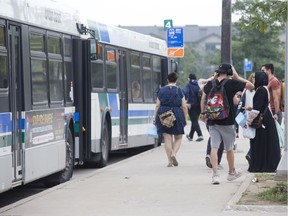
[{"x": 261, "y": 79}]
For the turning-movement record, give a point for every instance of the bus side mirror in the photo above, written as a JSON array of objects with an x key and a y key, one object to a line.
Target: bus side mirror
[{"x": 93, "y": 48}]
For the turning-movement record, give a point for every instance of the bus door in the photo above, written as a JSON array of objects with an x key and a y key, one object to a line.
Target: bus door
[
  {"x": 15, "y": 97},
  {"x": 123, "y": 97}
]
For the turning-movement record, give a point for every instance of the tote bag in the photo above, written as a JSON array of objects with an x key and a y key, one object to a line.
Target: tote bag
[{"x": 281, "y": 135}]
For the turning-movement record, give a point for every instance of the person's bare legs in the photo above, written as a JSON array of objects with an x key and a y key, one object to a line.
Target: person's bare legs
[
  {"x": 168, "y": 143},
  {"x": 230, "y": 159},
  {"x": 176, "y": 144},
  {"x": 214, "y": 160}
]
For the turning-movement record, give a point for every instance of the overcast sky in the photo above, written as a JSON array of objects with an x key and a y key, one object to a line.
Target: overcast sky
[{"x": 150, "y": 12}]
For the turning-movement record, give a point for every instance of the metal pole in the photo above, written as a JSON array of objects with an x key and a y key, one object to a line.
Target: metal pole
[
  {"x": 226, "y": 32},
  {"x": 281, "y": 172}
]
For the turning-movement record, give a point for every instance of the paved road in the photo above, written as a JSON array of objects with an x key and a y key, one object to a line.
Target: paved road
[{"x": 143, "y": 185}]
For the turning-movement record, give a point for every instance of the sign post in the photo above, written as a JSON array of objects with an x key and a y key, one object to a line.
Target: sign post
[
  {"x": 248, "y": 66},
  {"x": 168, "y": 24},
  {"x": 175, "y": 42}
]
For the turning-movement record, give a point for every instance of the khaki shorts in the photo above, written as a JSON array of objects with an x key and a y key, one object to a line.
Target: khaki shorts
[{"x": 225, "y": 133}]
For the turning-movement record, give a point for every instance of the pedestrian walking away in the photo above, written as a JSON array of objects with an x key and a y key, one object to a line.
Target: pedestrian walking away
[
  {"x": 193, "y": 96},
  {"x": 222, "y": 127},
  {"x": 171, "y": 98}
]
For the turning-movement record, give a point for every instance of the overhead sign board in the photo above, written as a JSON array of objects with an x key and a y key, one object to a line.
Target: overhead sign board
[{"x": 175, "y": 37}]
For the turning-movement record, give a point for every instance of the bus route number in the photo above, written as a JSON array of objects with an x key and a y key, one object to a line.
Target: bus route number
[{"x": 168, "y": 24}]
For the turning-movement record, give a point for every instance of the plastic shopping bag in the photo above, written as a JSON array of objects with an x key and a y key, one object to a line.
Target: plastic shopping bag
[
  {"x": 152, "y": 131},
  {"x": 249, "y": 132},
  {"x": 280, "y": 132}
]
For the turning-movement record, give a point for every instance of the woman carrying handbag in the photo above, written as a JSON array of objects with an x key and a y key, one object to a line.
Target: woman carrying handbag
[
  {"x": 264, "y": 148},
  {"x": 171, "y": 97}
]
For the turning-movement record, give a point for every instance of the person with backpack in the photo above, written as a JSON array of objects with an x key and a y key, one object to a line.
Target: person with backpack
[
  {"x": 217, "y": 110},
  {"x": 192, "y": 94}
]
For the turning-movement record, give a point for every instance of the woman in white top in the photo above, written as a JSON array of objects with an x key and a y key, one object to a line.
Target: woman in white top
[{"x": 247, "y": 102}]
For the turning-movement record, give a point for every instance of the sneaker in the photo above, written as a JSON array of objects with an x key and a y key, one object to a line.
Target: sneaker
[
  {"x": 215, "y": 179},
  {"x": 200, "y": 138},
  {"x": 208, "y": 162},
  {"x": 189, "y": 138},
  {"x": 248, "y": 158},
  {"x": 236, "y": 174},
  {"x": 170, "y": 164},
  {"x": 220, "y": 167},
  {"x": 174, "y": 161}
]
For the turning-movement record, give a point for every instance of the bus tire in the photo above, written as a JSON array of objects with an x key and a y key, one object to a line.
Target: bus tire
[
  {"x": 105, "y": 147},
  {"x": 159, "y": 140},
  {"x": 67, "y": 172}
]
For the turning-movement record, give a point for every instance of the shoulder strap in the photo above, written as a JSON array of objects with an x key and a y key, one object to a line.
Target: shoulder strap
[
  {"x": 268, "y": 106},
  {"x": 224, "y": 82}
]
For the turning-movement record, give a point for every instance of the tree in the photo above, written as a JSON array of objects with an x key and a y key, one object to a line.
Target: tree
[
  {"x": 261, "y": 15},
  {"x": 202, "y": 65},
  {"x": 259, "y": 46}
]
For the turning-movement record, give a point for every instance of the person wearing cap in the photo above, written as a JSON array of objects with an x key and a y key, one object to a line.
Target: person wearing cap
[
  {"x": 223, "y": 130},
  {"x": 192, "y": 94}
]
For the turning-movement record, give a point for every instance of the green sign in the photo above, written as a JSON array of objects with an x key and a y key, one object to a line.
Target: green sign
[{"x": 168, "y": 24}]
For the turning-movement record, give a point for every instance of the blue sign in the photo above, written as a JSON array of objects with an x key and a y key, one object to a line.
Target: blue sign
[
  {"x": 248, "y": 66},
  {"x": 175, "y": 37}
]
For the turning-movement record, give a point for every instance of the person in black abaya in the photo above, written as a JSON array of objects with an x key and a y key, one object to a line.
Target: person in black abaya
[{"x": 265, "y": 149}]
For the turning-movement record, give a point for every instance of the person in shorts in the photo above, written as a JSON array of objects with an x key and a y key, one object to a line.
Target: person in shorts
[{"x": 223, "y": 130}]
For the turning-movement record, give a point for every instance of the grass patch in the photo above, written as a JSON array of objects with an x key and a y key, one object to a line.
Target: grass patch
[{"x": 278, "y": 193}]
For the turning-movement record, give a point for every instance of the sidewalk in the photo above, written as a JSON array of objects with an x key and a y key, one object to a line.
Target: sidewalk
[{"x": 144, "y": 186}]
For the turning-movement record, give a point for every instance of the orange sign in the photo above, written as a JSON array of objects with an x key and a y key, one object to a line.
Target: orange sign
[{"x": 176, "y": 52}]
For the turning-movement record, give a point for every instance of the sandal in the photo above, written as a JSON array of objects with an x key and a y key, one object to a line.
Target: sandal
[{"x": 174, "y": 161}]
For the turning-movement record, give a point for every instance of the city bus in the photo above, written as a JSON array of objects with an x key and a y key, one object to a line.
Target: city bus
[{"x": 71, "y": 91}]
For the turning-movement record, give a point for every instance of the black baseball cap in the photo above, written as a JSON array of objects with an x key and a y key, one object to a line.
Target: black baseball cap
[{"x": 224, "y": 68}]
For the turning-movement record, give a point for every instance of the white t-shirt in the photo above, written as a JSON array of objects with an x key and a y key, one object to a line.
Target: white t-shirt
[{"x": 249, "y": 98}]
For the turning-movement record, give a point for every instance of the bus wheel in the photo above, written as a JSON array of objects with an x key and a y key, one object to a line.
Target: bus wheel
[
  {"x": 66, "y": 174},
  {"x": 105, "y": 147},
  {"x": 159, "y": 140}
]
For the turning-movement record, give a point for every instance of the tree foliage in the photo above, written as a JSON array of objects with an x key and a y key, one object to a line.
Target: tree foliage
[
  {"x": 201, "y": 64},
  {"x": 260, "y": 14},
  {"x": 255, "y": 44}
]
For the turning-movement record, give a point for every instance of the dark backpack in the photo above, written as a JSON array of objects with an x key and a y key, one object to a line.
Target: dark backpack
[
  {"x": 217, "y": 105},
  {"x": 195, "y": 97}
]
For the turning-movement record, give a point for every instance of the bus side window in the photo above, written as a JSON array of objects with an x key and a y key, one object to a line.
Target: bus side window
[{"x": 93, "y": 48}]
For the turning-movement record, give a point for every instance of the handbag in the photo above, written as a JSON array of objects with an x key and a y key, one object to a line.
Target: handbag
[
  {"x": 257, "y": 122},
  {"x": 167, "y": 118}
]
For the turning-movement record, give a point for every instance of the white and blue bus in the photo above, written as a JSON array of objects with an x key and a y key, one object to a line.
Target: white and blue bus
[{"x": 71, "y": 91}]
